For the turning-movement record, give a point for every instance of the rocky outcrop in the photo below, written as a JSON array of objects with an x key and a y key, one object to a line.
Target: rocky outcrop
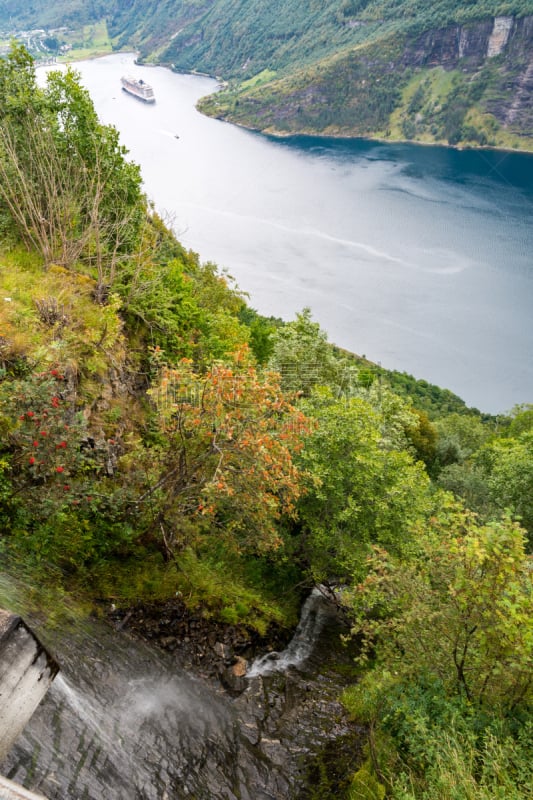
[
  {"x": 520, "y": 111},
  {"x": 209, "y": 649},
  {"x": 470, "y": 45}
]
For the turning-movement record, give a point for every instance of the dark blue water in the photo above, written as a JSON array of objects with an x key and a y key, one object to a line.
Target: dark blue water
[{"x": 418, "y": 257}]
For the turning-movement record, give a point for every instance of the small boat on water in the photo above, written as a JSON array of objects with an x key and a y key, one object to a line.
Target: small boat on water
[{"x": 138, "y": 88}]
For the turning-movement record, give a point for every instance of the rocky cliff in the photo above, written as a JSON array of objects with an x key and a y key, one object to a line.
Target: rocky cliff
[{"x": 502, "y": 48}]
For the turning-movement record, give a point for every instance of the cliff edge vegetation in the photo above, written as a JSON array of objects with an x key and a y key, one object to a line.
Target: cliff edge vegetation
[{"x": 160, "y": 439}]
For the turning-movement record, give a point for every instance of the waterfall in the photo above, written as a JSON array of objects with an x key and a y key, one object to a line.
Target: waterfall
[
  {"x": 316, "y": 611},
  {"x": 123, "y": 723}
]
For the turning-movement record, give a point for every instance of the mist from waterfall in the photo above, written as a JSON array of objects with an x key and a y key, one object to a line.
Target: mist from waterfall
[{"x": 124, "y": 722}]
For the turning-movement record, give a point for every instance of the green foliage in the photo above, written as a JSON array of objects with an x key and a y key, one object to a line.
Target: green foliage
[
  {"x": 361, "y": 490},
  {"x": 60, "y": 510},
  {"x": 41, "y": 13},
  {"x": 365, "y": 785},
  {"x": 508, "y": 467},
  {"x": 447, "y": 652},
  {"x": 423, "y": 438},
  {"x": 65, "y": 180},
  {"x": 465, "y": 431},
  {"x": 357, "y": 68},
  {"x": 304, "y": 358},
  {"x": 521, "y": 419},
  {"x": 230, "y": 37},
  {"x": 429, "y": 746},
  {"x": 459, "y": 611},
  {"x": 469, "y": 483},
  {"x": 262, "y": 330}
]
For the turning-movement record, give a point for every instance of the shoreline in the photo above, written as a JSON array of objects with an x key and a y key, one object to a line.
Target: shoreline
[
  {"x": 120, "y": 57},
  {"x": 276, "y": 134}
]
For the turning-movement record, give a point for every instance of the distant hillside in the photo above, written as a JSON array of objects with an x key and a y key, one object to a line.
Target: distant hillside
[
  {"x": 55, "y": 13},
  {"x": 447, "y": 71},
  {"x": 462, "y": 84}
]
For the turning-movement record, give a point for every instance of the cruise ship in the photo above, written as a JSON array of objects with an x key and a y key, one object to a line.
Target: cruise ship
[{"x": 138, "y": 88}]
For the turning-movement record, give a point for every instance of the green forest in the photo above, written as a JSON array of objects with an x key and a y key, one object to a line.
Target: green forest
[{"x": 160, "y": 438}]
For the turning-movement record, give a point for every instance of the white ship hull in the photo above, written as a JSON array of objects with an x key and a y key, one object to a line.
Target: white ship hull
[{"x": 139, "y": 89}]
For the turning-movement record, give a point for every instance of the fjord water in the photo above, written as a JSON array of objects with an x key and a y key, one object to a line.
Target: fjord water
[{"x": 418, "y": 257}]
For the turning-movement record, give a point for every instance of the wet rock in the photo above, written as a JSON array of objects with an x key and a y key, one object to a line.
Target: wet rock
[
  {"x": 223, "y": 651},
  {"x": 169, "y": 642},
  {"x": 240, "y": 667},
  {"x": 231, "y": 682},
  {"x": 156, "y": 724}
]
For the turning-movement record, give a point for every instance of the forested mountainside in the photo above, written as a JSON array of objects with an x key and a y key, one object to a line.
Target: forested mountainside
[
  {"x": 15, "y": 14},
  {"x": 450, "y": 72}
]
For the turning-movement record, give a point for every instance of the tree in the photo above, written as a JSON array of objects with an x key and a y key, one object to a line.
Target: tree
[
  {"x": 423, "y": 438},
  {"x": 304, "y": 358},
  {"x": 360, "y": 489},
  {"x": 508, "y": 465},
  {"x": 521, "y": 419},
  {"x": 64, "y": 178},
  {"x": 459, "y": 436},
  {"x": 460, "y": 610},
  {"x": 226, "y": 462},
  {"x": 59, "y": 509}
]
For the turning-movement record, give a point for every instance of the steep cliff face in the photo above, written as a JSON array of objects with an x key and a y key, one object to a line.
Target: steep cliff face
[
  {"x": 515, "y": 110},
  {"x": 471, "y": 49},
  {"x": 448, "y": 46}
]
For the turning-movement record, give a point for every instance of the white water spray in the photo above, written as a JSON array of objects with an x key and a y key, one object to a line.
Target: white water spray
[{"x": 315, "y": 613}]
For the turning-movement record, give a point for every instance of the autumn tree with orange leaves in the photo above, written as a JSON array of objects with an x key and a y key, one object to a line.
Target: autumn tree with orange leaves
[{"x": 226, "y": 466}]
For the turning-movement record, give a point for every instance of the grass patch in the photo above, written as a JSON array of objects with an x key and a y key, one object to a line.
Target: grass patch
[
  {"x": 424, "y": 94},
  {"x": 264, "y": 76},
  {"x": 221, "y": 587},
  {"x": 88, "y": 42},
  {"x": 49, "y": 316}
]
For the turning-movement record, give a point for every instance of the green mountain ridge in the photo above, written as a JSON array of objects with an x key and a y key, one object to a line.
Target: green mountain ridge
[
  {"x": 458, "y": 73},
  {"x": 453, "y": 73},
  {"x": 40, "y": 14}
]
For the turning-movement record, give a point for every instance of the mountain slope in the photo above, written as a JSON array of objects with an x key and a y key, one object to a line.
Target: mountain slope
[
  {"x": 40, "y": 13},
  {"x": 451, "y": 71},
  {"x": 460, "y": 84}
]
